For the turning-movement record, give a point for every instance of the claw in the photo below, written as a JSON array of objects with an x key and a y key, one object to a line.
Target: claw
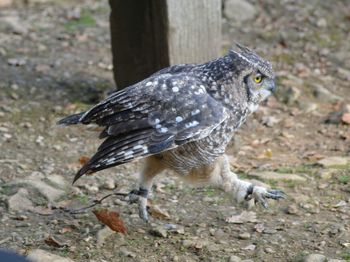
[
  {"x": 261, "y": 195},
  {"x": 140, "y": 197},
  {"x": 275, "y": 194}
]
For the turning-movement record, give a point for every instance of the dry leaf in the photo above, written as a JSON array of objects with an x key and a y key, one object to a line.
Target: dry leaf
[
  {"x": 54, "y": 242},
  {"x": 346, "y": 118},
  {"x": 65, "y": 230},
  {"x": 259, "y": 228},
  {"x": 110, "y": 219},
  {"x": 83, "y": 160},
  {"x": 158, "y": 213}
]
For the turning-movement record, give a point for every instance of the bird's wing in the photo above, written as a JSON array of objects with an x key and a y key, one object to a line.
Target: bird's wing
[{"x": 155, "y": 115}]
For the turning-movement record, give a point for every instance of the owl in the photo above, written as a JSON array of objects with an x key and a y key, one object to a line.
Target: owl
[{"x": 182, "y": 118}]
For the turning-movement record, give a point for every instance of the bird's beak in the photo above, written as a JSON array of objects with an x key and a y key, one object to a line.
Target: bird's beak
[{"x": 271, "y": 86}]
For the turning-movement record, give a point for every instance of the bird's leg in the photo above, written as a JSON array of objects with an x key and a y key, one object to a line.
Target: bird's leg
[
  {"x": 243, "y": 190},
  {"x": 152, "y": 167}
]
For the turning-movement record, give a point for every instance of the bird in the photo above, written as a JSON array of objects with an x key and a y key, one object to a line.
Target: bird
[{"x": 182, "y": 118}]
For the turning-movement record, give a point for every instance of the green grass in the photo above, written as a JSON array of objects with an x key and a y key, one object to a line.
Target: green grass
[
  {"x": 302, "y": 169},
  {"x": 346, "y": 255},
  {"x": 344, "y": 179},
  {"x": 84, "y": 200},
  {"x": 85, "y": 20}
]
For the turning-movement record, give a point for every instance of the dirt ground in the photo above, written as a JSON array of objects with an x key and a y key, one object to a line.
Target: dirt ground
[{"x": 55, "y": 60}]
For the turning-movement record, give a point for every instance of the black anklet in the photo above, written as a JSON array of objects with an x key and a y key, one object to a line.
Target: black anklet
[
  {"x": 143, "y": 192},
  {"x": 249, "y": 192}
]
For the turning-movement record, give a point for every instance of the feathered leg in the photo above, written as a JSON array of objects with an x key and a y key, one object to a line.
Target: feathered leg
[
  {"x": 151, "y": 168},
  {"x": 240, "y": 189}
]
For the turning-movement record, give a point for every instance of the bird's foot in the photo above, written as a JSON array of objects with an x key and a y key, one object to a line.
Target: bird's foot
[
  {"x": 261, "y": 194},
  {"x": 140, "y": 197}
]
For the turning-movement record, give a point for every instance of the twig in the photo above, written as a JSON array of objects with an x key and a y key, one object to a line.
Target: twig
[{"x": 95, "y": 202}]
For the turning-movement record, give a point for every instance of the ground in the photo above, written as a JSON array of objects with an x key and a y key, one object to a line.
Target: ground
[{"x": 55, "y": 60}]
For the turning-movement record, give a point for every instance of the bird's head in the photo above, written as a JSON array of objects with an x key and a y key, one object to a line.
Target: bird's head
[{"x": 257, "y": 75}]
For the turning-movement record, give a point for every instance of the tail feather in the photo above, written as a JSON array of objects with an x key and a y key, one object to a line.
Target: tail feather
[{"x": 70, "y": 120}]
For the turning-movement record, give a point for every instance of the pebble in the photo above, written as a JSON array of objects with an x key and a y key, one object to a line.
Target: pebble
[
  {"x": 234, "y": 258},
  {"x": 123, "y": 251},
  {"x": 333, "y": 161},
  {"x": 158, "y": 231},
  {"x": 20, "y": 201},
  {"x": 16, "y": 61},
  {"x": 292, "y": 209},
  {"x": 315, "y": 258},
  {"x": 244, "y": 235},
  {"x": 39, "y": 255},
  {"x": 103, "y": 234}
]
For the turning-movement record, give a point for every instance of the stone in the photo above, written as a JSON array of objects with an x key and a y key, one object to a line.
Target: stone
[
  {"x": 315, "y": 258},
  {"x": 324, "y": 95},
  {"x": 123, "y": 251},
  {"x": 269, "y": 175},
  {"x": 37, "y": 181},
  {"x": 20, "y": 201},
  {"x": 239, "y": 10},
  {"x": 103, "y": 234},
  {"x": 327, "y": 174},
  {"x": 14, "y": 24},
  {"x": 244, "y": 235},
  {"x": 244, "y": 217},
  {"x": 333, "y": 161},
  {"x": 39, "y": 255},
  {"x": 234, "y": 258},
  {"x": 322, "y": 22},
  {"x": 109, "y": 183},
  {"x": 292, "y": 209},
  {"x": 5, "y": 3},
  {"x": 158, "y": 232}
]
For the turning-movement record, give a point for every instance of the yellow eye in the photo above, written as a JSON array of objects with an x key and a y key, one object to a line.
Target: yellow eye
[{"x": 258, "y": 79}]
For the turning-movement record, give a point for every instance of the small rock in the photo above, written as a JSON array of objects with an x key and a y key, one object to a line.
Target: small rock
[
  {"x": 55, "y": 242},
  {"x": 15, "y": 25},
  {"x": 234, "y": 258},
  {"x": 20, "y": 201},
  {"x": 315, "y": 258},
  {"x": 103, "y": 234},
  {"x": 269, "y": 175},
  {"x": 341, "y": 203},
  {"x": 250, "y": 247},
  {"x": 123, "y": 251},
  {"x": 292, "y": 210},
  {"x": 324, "y": 95},
  {"x": 346, "y": 118},
  {"x": 270, "y": 121},
  {"x": 35, "y": 180},
  {"x": 244, "y": 217},
  {"x": 333, "y": 161},
  {"x": 327, "y": 174},
  {"x": 109, "y": 184},
  {"x": 239, "y": 10},
  {"x": 16, "y": 61},
  {"x": 175, "y": 228},
  {"x": 269, "y": 250},
  {"x": 158, "y": 232},
  {"x": 244, "y": 235},
  {"x": 321, "y": 22},
  {"x": 308, "y": 107},
  {"x": 5, "y": 3},
  {"x": 39, "y": 255}
]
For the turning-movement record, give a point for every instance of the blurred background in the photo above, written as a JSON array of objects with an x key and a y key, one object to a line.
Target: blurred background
[{"x": 56, "y": 59}]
